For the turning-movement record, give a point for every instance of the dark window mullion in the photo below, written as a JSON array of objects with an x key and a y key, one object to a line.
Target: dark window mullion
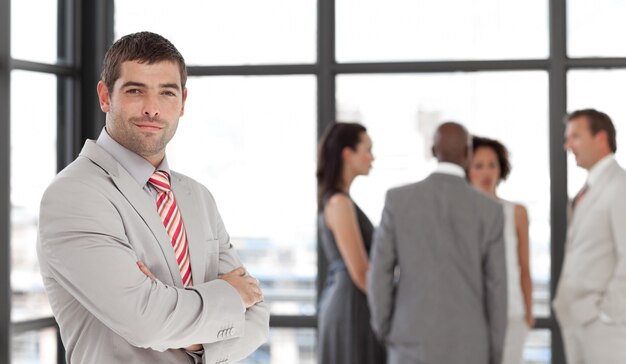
[
  {"x": 558, "y": 160},
  {"x": 5, "y": 196}
]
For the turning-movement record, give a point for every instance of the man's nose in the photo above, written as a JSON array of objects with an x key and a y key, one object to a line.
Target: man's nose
[{"x": 151, "y": 107}]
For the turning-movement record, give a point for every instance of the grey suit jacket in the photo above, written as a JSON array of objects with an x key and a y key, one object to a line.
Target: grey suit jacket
[
  {"x": 95, "y": 223},
  {"x": 593, "y": 277},
  {"x": 437, "y": 278}
]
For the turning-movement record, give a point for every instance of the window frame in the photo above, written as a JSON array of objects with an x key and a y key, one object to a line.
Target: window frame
[{"x": 78, "y": 63}]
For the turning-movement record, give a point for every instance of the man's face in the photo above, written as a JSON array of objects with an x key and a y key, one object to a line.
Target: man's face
[
  {"x": 586, "y": 148},
  {"x": 144, "y": 107}
]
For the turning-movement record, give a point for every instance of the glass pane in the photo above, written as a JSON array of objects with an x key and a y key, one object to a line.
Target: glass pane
[
  {"x": 34, "y": 33},
  {"x": 227, "y": 32},
  {"x": 400, "y": 30},
  {"x": 35, "y": 347},
  {"x": 594, "y": 28},
  {"x": 602, "y": 90},
  {"x": 295, "y": 346},
  {"x": 33, "y": 165},
  {"x": 538, "y": 347},
  {"x": 401, "y": 113},
  {"x": 251, "y": 141}
]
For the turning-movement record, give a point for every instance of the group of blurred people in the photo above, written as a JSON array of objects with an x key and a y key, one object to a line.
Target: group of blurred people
[{"x": 445, "y": 277}]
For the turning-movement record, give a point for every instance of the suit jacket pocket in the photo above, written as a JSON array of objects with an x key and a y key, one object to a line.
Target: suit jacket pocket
[{"x": 586, "y": 309}]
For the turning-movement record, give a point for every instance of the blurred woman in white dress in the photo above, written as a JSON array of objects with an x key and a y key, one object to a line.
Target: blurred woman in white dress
[{"x": 488, "y": 167}]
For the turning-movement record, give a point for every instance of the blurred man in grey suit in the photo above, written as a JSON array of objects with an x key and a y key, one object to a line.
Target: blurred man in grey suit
[
  {"x": 590, "y": 301},
  {"x": 437, "y": 278},
  {"x": 135, "y": 257}
]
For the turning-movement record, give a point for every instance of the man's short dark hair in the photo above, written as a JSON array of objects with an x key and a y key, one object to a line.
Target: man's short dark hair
[
  {"x": 143, "y": 47},
  {"x": 597, "y": 121}
]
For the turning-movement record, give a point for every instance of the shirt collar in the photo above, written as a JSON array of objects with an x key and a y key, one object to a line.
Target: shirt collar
[
  {"x": 139, "y": 168},
  {"x": 599, "y": 168},
  {"x": 450, "y": 168}
]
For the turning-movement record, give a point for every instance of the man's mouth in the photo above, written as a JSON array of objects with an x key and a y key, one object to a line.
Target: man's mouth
[{"x": 148, "y": 127}]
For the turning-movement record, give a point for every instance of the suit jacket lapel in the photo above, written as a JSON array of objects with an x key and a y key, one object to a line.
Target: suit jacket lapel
[
  {"x": 139, "y": 200},
  {"x": 591, "y": 197},
  {"x": 189, "y": 210}
]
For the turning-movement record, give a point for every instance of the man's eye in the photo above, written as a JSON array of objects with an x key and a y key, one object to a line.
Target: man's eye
[
  {"x": 132, "y": 91},
  {"x": 169, "y": 93}
]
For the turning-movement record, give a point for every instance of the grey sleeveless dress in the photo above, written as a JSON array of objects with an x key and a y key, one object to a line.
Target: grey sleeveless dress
[{"x": 344, "y": 332}]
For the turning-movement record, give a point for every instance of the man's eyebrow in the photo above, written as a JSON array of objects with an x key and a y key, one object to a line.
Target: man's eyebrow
[
  {"x": 170, "y": 85},
  {"x": 139, "y": 84},
  {"x": 133, "y": 83}
]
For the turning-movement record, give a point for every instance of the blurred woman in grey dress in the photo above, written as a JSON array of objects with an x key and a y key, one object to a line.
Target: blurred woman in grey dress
[{"x": 344, "y": 332}]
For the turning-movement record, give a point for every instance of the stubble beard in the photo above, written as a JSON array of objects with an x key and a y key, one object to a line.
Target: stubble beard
[{"x": 143, "y": 143}]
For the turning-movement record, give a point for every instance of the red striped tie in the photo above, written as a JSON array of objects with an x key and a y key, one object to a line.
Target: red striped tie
[
  {"x": 580, "y": 195},
  {"x": 173, "y": 221}
]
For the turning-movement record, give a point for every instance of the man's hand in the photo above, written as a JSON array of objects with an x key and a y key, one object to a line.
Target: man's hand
[
  {"x": 246, "y": 285},
  {"x": 146, "y": 271},
  {"x": 530, "y": 320}
]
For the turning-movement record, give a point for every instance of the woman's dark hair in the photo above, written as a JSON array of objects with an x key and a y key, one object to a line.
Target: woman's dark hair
[
  {"x": 329, "y": 159},
  {"x": 501, "y": 152}
]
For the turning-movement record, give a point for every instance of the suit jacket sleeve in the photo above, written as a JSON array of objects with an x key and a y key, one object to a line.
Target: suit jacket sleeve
[
  {"x": 494, "y": 270},
  {"x": 380, "y": 277},
  {"x": 613, "y": 302},
  {"x": 84, "y": 247},
  {"x": 256, "y": 317}
]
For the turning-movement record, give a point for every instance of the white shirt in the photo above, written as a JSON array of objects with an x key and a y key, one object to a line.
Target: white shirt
[
  {"x": 599, "y": 168},
  {"x": 450, "y": 168}
]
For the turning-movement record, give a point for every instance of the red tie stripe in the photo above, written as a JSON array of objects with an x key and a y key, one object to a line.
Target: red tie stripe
[
  {"x": 173, "y": 222},
  {"x": 580, "y": 195}
]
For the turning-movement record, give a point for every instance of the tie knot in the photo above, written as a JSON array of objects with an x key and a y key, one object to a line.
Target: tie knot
[{"x": 161, "y": 181}]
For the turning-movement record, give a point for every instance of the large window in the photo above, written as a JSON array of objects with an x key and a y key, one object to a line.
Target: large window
[
  {"x": 400, "y": 30},
  {"x": 33, "y": 123},
  {"x": 265, "y": 78},
  {"x": 35, "y": 347},
  {"x": 227, "y": 32},
  {"x": 33, "y": 165},
  {"x": 295, "y": 346},
  {"x": 39, "y": 97},
  {"x": 251, "y": 141},
  {"x": 595, "y": 28},
  {"x": 34, "y": 34}
]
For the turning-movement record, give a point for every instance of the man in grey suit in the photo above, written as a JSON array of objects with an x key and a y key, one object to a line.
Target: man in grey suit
[
  {"x": 437, "y": 278},
  {"x": 590, "y": 301},
  {"x": 135, "y": 257}
]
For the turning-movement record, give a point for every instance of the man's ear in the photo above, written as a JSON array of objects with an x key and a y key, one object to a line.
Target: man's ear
[
  {"x": 601, "y": 142},
  {"x": 603, "y": 137},
  {"x": 104, "y": 97},
  {"x": 182, "y": 109}
]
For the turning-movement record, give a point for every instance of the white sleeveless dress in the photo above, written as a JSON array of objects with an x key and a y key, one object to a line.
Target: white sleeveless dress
[{"x": 517, "y": 329}]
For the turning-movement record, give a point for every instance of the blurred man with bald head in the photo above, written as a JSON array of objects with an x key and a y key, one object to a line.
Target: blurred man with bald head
[{"x": 437, "y": 278}]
